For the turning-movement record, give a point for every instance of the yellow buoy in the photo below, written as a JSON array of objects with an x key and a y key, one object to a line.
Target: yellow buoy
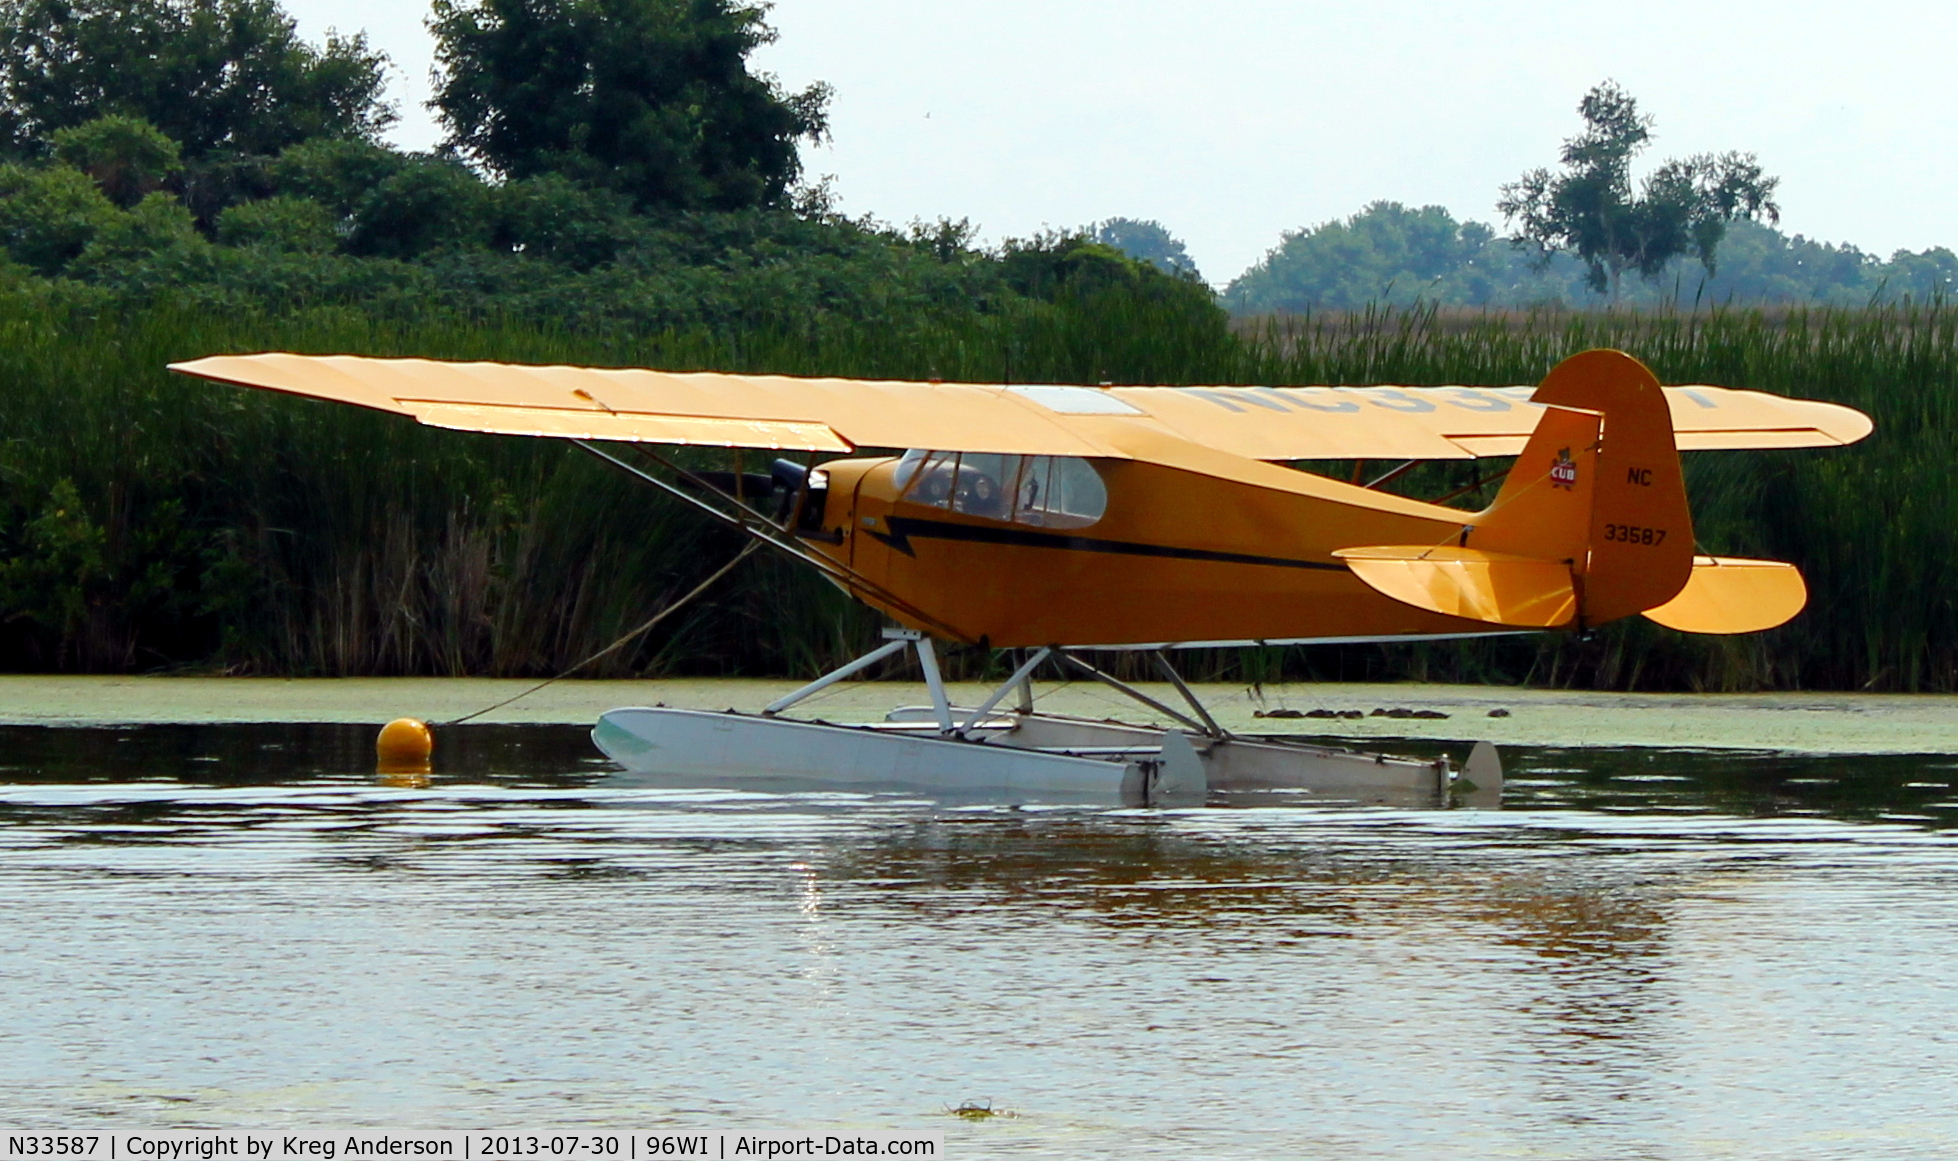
[{"x": 404, "y": 747}]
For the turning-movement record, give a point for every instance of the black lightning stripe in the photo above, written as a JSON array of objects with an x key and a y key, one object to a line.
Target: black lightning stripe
[{"x": 904, "y": 528}]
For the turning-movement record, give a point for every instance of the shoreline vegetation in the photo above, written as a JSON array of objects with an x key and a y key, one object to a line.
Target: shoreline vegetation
[
  {"x": 181, "y": 178},
  {"x": 1394, "y": 255},
  {"x": 150, "y": 523}
]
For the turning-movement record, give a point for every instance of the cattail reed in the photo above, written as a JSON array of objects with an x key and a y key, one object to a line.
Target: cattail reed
[{"x": 149, "y": 522}]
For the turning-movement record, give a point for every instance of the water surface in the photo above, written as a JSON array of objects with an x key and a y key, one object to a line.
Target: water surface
[{"x": 1646, "y": 954}]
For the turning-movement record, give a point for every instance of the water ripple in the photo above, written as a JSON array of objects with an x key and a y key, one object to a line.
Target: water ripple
[{"x": 1657, "y": 976}]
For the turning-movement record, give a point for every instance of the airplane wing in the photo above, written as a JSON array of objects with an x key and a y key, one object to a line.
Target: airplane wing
[
  {"x": 1443, "y": 423},
  {"x": 839, "y": 415},
  {"x": 759, "y": 411}
]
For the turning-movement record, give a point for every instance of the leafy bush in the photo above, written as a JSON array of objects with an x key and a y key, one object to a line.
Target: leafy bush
[
  {"x": 297, "y": 224},
  {"x": 158, "y": 224},
  {"x": 337, "y": 173},
  {"x": 127, "y": 156},
  {"x": 554, "y": 218},
  {"x": 48, "y": 216},
  {"x": 427, "y": 204}
]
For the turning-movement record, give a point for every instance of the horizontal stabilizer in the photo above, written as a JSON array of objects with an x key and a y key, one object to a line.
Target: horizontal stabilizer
[
  {"x": 1464, "y": 582},
  {"x": 1727, "y": 595}
]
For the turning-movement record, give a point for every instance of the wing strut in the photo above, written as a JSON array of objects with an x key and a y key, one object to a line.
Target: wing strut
[
  {"x": 770, "y": 535},
  {"x": 1392, "y": 474}
]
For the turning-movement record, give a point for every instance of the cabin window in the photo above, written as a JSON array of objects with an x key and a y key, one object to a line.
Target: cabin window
[
  {"x": 1059, "y": 492},
  {"x": 1041, "y": 491},
  {"x": 985, "y": 485}
]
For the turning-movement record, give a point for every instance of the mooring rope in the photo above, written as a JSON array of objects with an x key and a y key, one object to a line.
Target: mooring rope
[{"x": 668, "y": 611}]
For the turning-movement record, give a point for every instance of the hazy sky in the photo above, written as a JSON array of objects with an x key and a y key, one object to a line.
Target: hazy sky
[{"x": 1231, "y": 121}]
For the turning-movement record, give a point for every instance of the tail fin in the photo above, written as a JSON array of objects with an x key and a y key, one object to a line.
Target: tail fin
[
  {"x": 1598, "y": 486},
  {"x": 1590, "y": 526}
]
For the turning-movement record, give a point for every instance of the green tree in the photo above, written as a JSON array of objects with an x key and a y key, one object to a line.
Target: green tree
[
  {"x": 158, "y": 224},
  {"x": 127, "y": 156},
  {"x": 1146, "y": 241},
  {"x": 553, "y": 218},
  {"x": 336, "y": 173},
  {"x": 1929, "y": 276},
  {"x": 216, "y": 76},
  {"x": 299, "y": 225},
  {"x": 430, "y": 204},
  {"x": 1590, "y": 210},
  {"x": 48, "y": 216},
  {"x": 1389, "y": 253},
  {"x": 1072, "y": 266},
  {"x": 652, "y": 98}
]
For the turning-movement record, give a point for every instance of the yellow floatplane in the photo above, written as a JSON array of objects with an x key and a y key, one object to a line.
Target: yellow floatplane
[{"x": 1059, "y": 519}]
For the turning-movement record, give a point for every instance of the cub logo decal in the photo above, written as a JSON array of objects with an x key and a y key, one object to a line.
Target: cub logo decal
[{"x": 1563, "y": 472}]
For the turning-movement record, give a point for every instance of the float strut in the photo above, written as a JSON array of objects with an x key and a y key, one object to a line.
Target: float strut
[
  {"x": 832, "y": 677},
  {"x": 928, "y": 661},
  {"x": 1176, "y": 679},
  {"x": 895, "y": 642},
  {"x": 1018, "y": 680},
  {"x": 1116, "y": 683}
]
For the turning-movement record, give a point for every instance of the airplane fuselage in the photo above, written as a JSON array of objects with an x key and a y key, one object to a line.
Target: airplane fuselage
[{"x": 1171, "y": 557}]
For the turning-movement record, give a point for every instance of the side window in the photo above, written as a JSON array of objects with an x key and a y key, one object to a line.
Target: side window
[
  {"x": 1041, "y": 491},
  {"x": 985, "y": 485},
  {"x": 1059, "y": 492}
]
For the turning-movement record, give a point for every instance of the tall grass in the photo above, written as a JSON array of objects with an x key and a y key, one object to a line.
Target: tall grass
[
  {"x": 1874, "y": 527},
  {"x": 153, "y": 522}
]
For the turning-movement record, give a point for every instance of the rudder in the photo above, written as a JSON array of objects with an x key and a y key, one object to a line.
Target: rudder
[{"x": 1598, "y": 486}]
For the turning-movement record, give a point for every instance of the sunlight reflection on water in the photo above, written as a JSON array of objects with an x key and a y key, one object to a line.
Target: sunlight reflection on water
[{"x": 1617, "y": 967}]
